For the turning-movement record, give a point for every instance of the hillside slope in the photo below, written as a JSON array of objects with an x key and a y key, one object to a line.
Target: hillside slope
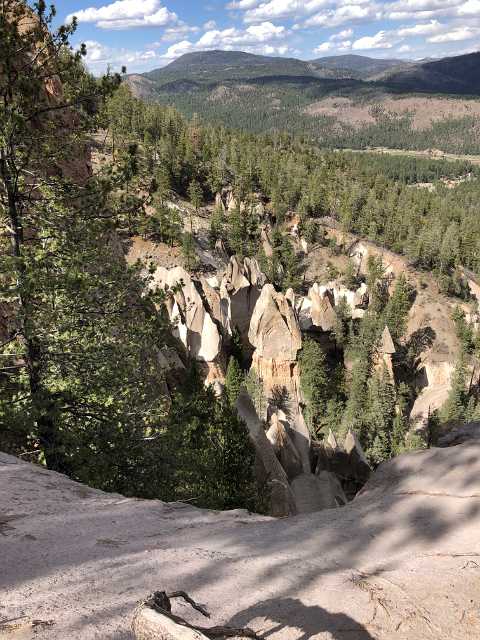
[
  {"x": 457, "y": 75},
  {"x": 361, "y": 67},
  {"x": 341, "y": 101},
  {"x": 399, "y": 562}
]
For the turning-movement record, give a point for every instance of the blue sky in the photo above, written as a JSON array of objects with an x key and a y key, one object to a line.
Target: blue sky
[{"x": 146, "y": 34}]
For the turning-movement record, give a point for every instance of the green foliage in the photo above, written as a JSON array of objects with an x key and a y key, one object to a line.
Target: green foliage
[
  {"x": 350, "y": 275},
  {"x": 81, "y": 389},
  {"x": 314, "y": 383},
  {"x": 188, "y": 251},
  {"x": 234, "y": 381},
  {"x": 398, "y": 307},
  {"x": 212, "y": 461},
  {"x": 284, "y": 268},
  {"x": 254, "y": 386},
  {"x": 195, "y": 194},
  {"x": 456, "y": 406},
  {"x": 217, "y": 227}
]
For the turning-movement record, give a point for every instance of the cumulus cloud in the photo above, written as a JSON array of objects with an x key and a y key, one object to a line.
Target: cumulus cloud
[
  {"x": 172, "y": 34},
  {"x": 455, "y": 35},
  {"x": 380, "y": 40},
  {"x": 126, "y": 14},
  {"x": 258, "y": 38},
  {"x": 323, "y": 48},
  {"x": 99, "y": 57},
  {"x": 429, "y": 28},
  {"x": 282, "y": 9},
  {"x": 470, "y": 8},
  {"x": 349, "y": 13}
]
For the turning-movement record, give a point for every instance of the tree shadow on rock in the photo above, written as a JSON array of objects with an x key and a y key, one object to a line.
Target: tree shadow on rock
[{"x": 306, "y": 621}]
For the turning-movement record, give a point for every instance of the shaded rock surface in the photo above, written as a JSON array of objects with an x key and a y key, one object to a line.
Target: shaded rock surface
[{"x": 400, "y": 562}]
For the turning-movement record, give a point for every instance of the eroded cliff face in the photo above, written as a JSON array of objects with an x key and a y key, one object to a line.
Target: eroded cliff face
[
  {"x": 400, "y": 561},
  {"x": 208, "y": 311}
]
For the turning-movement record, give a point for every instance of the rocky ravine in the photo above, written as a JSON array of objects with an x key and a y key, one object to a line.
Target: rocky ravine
[{"x": 400, "y": 562}]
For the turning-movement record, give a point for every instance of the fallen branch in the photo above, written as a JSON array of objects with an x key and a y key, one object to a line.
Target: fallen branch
[{"x": 153, "y": 621}]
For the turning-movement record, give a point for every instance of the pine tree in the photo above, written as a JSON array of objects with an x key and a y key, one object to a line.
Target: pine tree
[
  {"x": 314, "y": 382},
  {"x": 456, "y": 405},
  {"x": 195, "y": 195},
  {"x": 377, "y": 437},
  {"x": 234, "y": 381},
  {"x": 398, "y": 307},
  {"x": 82, "y": 381},
  {"x": 188, "y": 251}
]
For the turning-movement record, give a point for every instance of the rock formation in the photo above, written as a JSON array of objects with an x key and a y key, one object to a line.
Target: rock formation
[
  {"x": 269, "y": 469},
  {"x": 194, "y": 325},
  {"x": 384, "y": 356},
  {"x": 317, "y": 309},
  {"x": 275, "y": 334},
  {"x": 240, "y": 288}
]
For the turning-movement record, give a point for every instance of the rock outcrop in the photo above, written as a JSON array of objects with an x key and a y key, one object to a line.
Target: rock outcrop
[
  {"x": 317, "y": 309},
  {"x": 240, "y": 288},
  {"x": 400, "y": 562},
  {"x": 194, "y": 325},
  {"x": 270, "y": 471}
]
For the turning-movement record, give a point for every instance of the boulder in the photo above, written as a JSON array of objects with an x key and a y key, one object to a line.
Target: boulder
[
  {"x": 219, "y": 204},
  {"x": 266, "y": 242},
  {"x": 460, "y": 434},
  {"x": 398, "y": 563},
  {"x": 315, "y": 493},
  {"x": 322, "y": 309}
]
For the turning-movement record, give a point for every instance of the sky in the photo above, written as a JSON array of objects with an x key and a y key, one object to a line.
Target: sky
[{"x": 146, "y": 34}]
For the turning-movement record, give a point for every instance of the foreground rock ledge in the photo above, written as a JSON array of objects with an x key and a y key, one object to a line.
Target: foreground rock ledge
[{"x": 402, "y": 561}]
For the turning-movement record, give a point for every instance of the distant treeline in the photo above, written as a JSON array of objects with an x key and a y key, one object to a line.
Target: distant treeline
[{"x": 280, "y": 106}]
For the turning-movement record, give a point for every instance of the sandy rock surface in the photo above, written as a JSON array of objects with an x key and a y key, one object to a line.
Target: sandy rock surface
[{"x": 400, "y": 562}]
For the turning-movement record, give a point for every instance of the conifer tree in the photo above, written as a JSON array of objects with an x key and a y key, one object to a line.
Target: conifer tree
[
  {"x": 397, "y": 308},
  {"x": 314, "y": 383},
  {"x": 234, "y": 381}
]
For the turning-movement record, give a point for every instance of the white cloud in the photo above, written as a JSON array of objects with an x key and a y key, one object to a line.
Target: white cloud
[
  {"x": 99, "y": 57},
  {"x": 172, "y": 34},
  {"x": 455, "y": 35},
  {"x": 349, "y": 13},
  {"x": 283, "y": 9},
  {"x": 342, "y": 35},
  {"x": 256, "y": 38},
  {"x": 243, "y": 4},
  {"x": 126, "y": 14},
  {"x": 211, "y": 24},
  {"x": 323, "y": 48},
  {"x": 379, "y": 41},
  {"x": 404, "y": 49},
  {"x": 470, "y": 8},
  {"x": 429, "y": 28}
]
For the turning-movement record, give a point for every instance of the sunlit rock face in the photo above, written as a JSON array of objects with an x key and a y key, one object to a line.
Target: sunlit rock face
[
  {"x": 275, "y": 334},
  {"x": 409, "y": 539},
  {"x": 240, "y": 288},
  {"x": 193, "y": 324}
]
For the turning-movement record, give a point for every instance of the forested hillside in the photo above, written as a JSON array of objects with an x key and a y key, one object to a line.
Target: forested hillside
[{"x": 367, "y": 103}]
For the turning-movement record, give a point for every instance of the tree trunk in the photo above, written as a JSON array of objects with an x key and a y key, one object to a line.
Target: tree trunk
[{"x": 42, "y": 402}]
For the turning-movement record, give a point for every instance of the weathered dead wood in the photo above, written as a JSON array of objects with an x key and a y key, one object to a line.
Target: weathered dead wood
[{"x": 154, "y": 620}]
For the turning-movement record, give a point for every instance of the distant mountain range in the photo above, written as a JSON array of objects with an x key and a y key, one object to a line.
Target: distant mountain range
[
  {"x": 457, "y": 75},
  {"x": 339, "y": 101}
]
